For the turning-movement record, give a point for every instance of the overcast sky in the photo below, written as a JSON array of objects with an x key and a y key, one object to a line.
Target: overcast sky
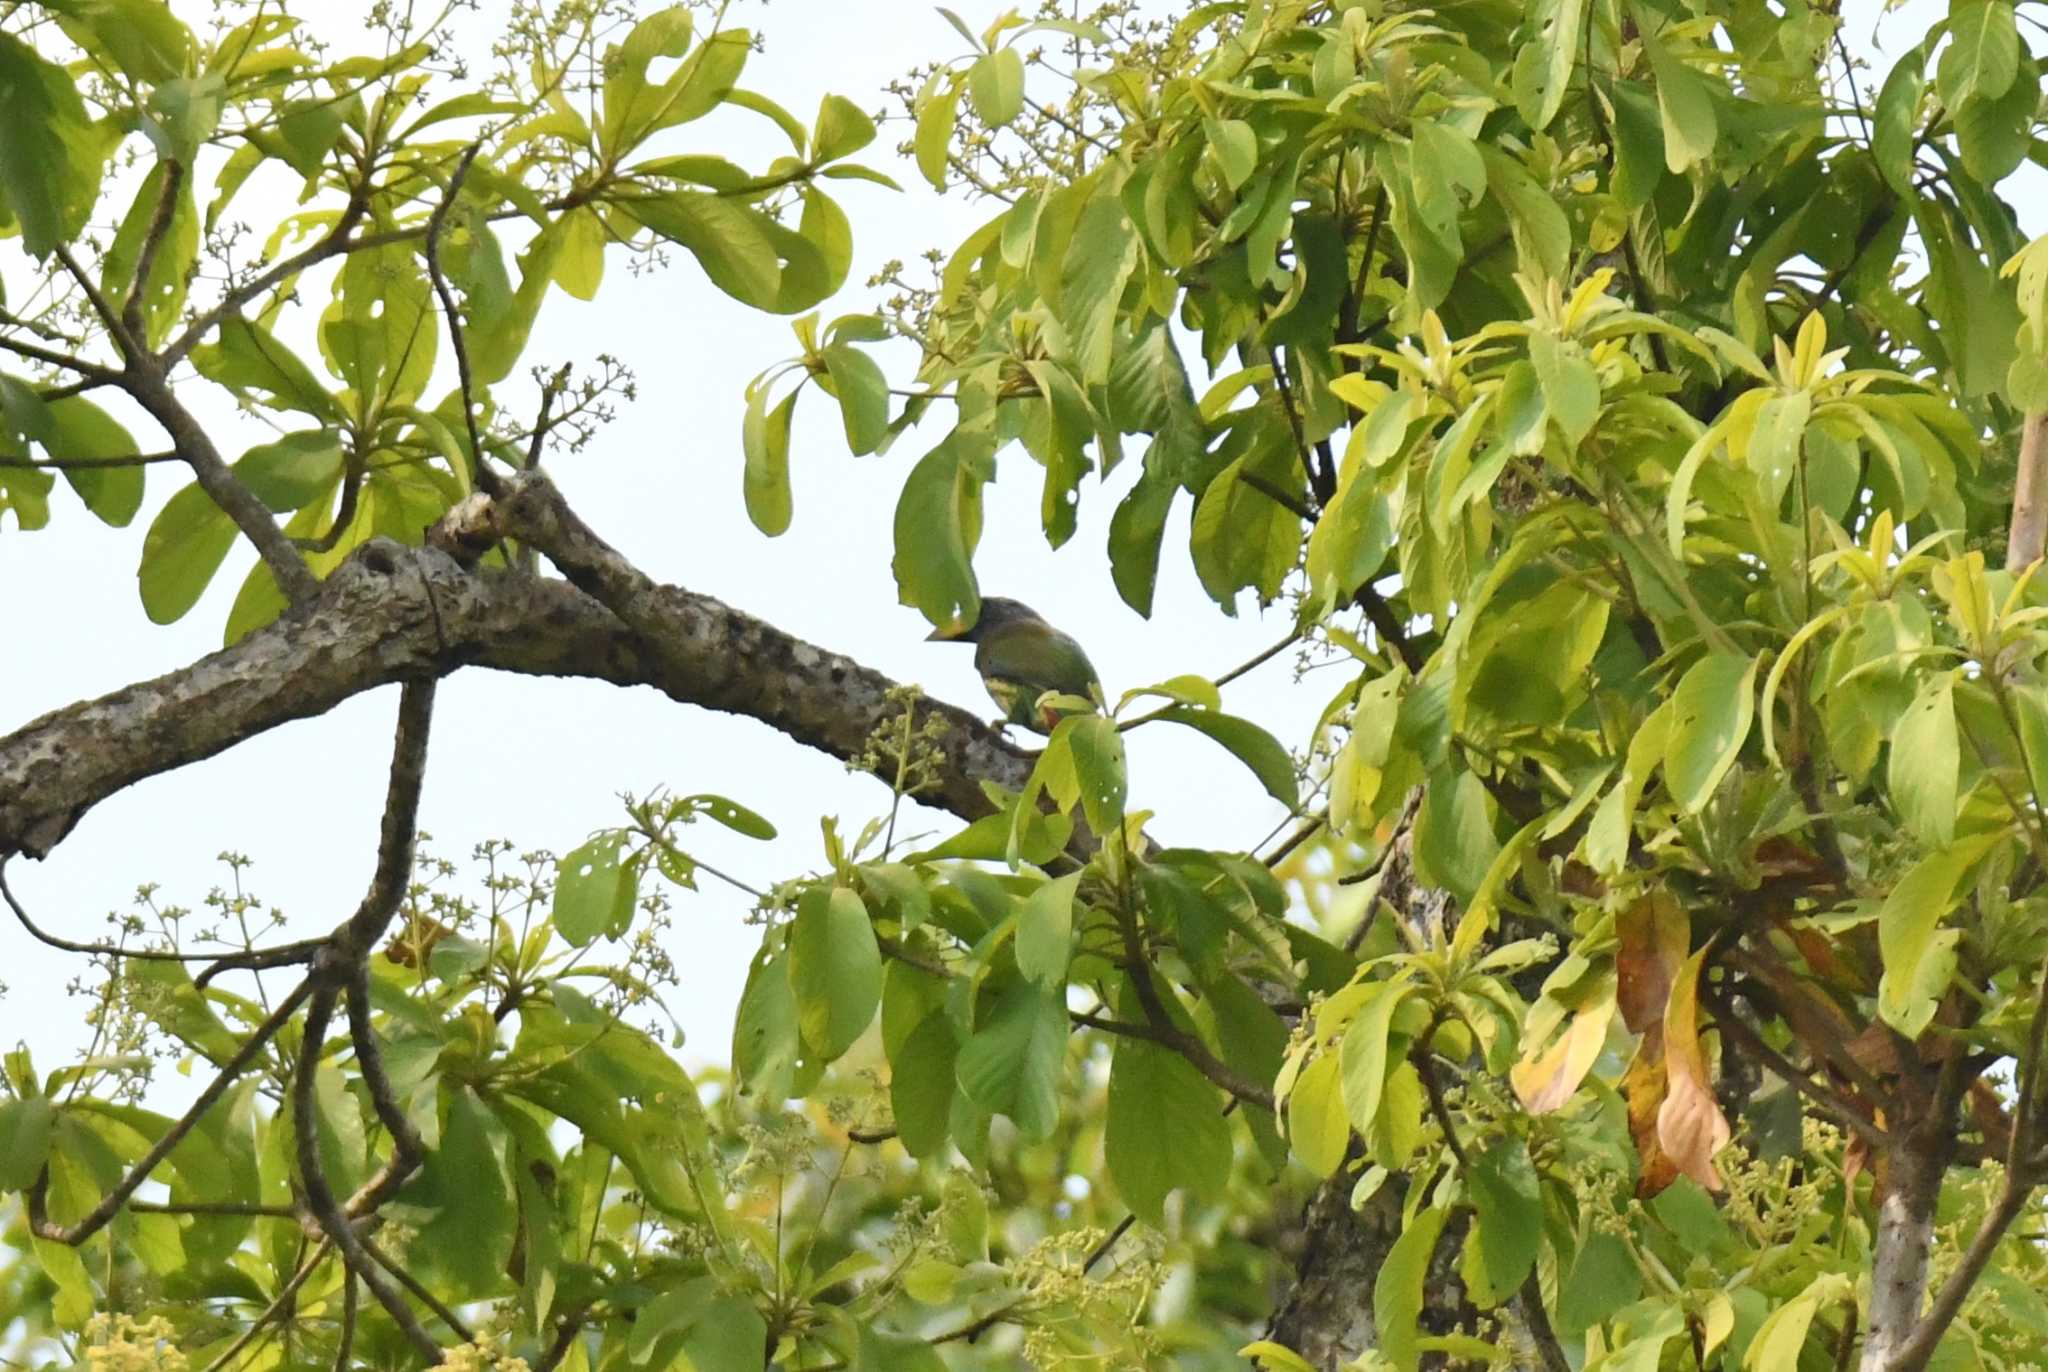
[{"x": 541, "y": 762}]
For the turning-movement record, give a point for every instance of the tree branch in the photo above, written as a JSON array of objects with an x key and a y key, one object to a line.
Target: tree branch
[
  {"x": 146, "y": 382},
  {"x": 326, "y": 1211},
  {"x": 392, "y": 613},
  {"x": 110, "y": 1204}
]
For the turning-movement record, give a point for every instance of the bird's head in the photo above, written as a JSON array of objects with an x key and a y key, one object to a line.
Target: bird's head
[{"x": 996, "y": 611}]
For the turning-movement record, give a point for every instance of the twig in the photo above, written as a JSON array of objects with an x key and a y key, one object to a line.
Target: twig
[
  {"x": 406, "y": 1146},
  {"x": 556, "y": 384},
  {"x": 346, "y": 1345},
  {"x": 87, "y": 464},
  {"x": 1820, "y": 1092},
  {"x": 336, "y": 241},
  {"x": 1322, "y": 481},
  {"x": 354, "y": 939},
  {"x": 109, "y": 950},
  {"x": 1276, "y": 494},
  {"x": 565, "y": 1339},
  {"x": 419, "y": 1289},
  {"x": 325, "y": 1210},
  {"x": 37, "y": 353},
  {"x": 486, "y": 480},
  {"x": 110, "y": 1204},
  {"x": 274, "y": 1309},
  {"x": 147, "y": 383},
  {"x": 232, "y": 1208},
  {"x": 1381, "y": 616},
  {"x": 1301, "y": 835},
  {"x": 152, "y": 242},
  {"x": 261, "y": 959},
  {"x": 1170, "y": 1035},
  {"x": 130, "y": 346},
  {"x": 1123, "y": 1227}
]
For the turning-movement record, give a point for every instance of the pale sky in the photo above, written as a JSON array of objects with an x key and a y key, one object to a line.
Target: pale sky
[{"x": 541, "y": 762}]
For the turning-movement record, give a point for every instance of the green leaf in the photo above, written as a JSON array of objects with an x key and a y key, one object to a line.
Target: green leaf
[
  {"x": 1165, "y": 1130},
  {"x": 1776, "y": 441},
  {"x": 1571, "y": 389},
  {"x": 731, "y": 242},
  {"x": 245, "y": 357},
  {"x": 1509, "y": 1212},
  {"x": 1982, "y": 56},
  {"x": 1236, "y": 148},
  {"x": 1011, "y": 1065},
  {"x": 470, "y": 1236},
  {"x": 1638, "y": 144},
  {"x": 292, "y": 471},
  {"x": 995, "y": 86},
  {"x": 938, "y": 522},
  {"x": 185, "y": 545},
  {"x": 24, "y": 1140},
  {"x": 1045, "y": 931},
  {"x": 937, "y": 113},
  {"x": 80, "y": 430},
  {"x": 1318, "y": 1127},
  {"x": 1926, "y": 758},
  {"x": 1249, "y": 744},
  {"x": 1454, "y": 839},
  {"x": 1543, "y": 64},
  {"x": 1100, "y": 257},
  {"x": 835, "y": 969},
  {"x": 842, "y": 129},
  {"x": 594, "y": 891},
  {"x": 1995, "y": 135},
  {"x": 659, "y": 1326},
  {"x": 731, "y": 814},
  {"x": 766, "y": 1046},
  {"x": 1711, "y": 713},
  {"x": 1098, "y": 753},
  {"x": 1919, "y": 955},
  {"x": 141, "y": 37},
  {"x": 731, "y": 1337},
  {"x": 1241, "y": 537},
  {"x": 162, "y": 297},
  {"x": 1397, "y": 1291},
  {"x": 187, "y": 114},
  {"x": 50, "y": 155},
  {"x": 1364, "y": 1054},
  {"x": 1684, "y": 98},
  {"x": 890, "y": 1353},
  {"x": 1780, "y": 1339},
  {"x": 1896, "y": 120},
  {"x": 921, "y": 1084},
  {"x": 863, "y": 393},
  {"x": 764, "y": 441},
  {"x": 1273, "y": 1357}
]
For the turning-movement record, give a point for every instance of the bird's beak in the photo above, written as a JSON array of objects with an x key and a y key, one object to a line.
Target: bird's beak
[{"x": 945, "y": 633}]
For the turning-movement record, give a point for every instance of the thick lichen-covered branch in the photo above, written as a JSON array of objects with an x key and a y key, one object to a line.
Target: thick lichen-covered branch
[{"x": 393, "y": 613}]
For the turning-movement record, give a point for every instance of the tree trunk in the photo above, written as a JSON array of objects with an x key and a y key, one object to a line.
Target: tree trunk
[{"x": 1905, "y": 1236}]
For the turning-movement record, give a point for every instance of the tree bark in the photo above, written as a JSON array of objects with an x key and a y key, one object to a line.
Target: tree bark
[
  {"x": 393, "y": 613},
  {"x": 1905, "y": 1237},
  {"x": 2029, "y": 528}
]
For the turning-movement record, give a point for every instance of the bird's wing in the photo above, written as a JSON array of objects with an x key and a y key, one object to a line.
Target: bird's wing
[{"x": 1036, "y": 655}]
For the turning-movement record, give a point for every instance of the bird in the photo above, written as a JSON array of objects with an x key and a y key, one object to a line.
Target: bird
[{"x": 1020, "y": 658}]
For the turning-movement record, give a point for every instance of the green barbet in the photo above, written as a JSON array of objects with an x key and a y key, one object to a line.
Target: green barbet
[{"x": 1020, "y": 658}]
